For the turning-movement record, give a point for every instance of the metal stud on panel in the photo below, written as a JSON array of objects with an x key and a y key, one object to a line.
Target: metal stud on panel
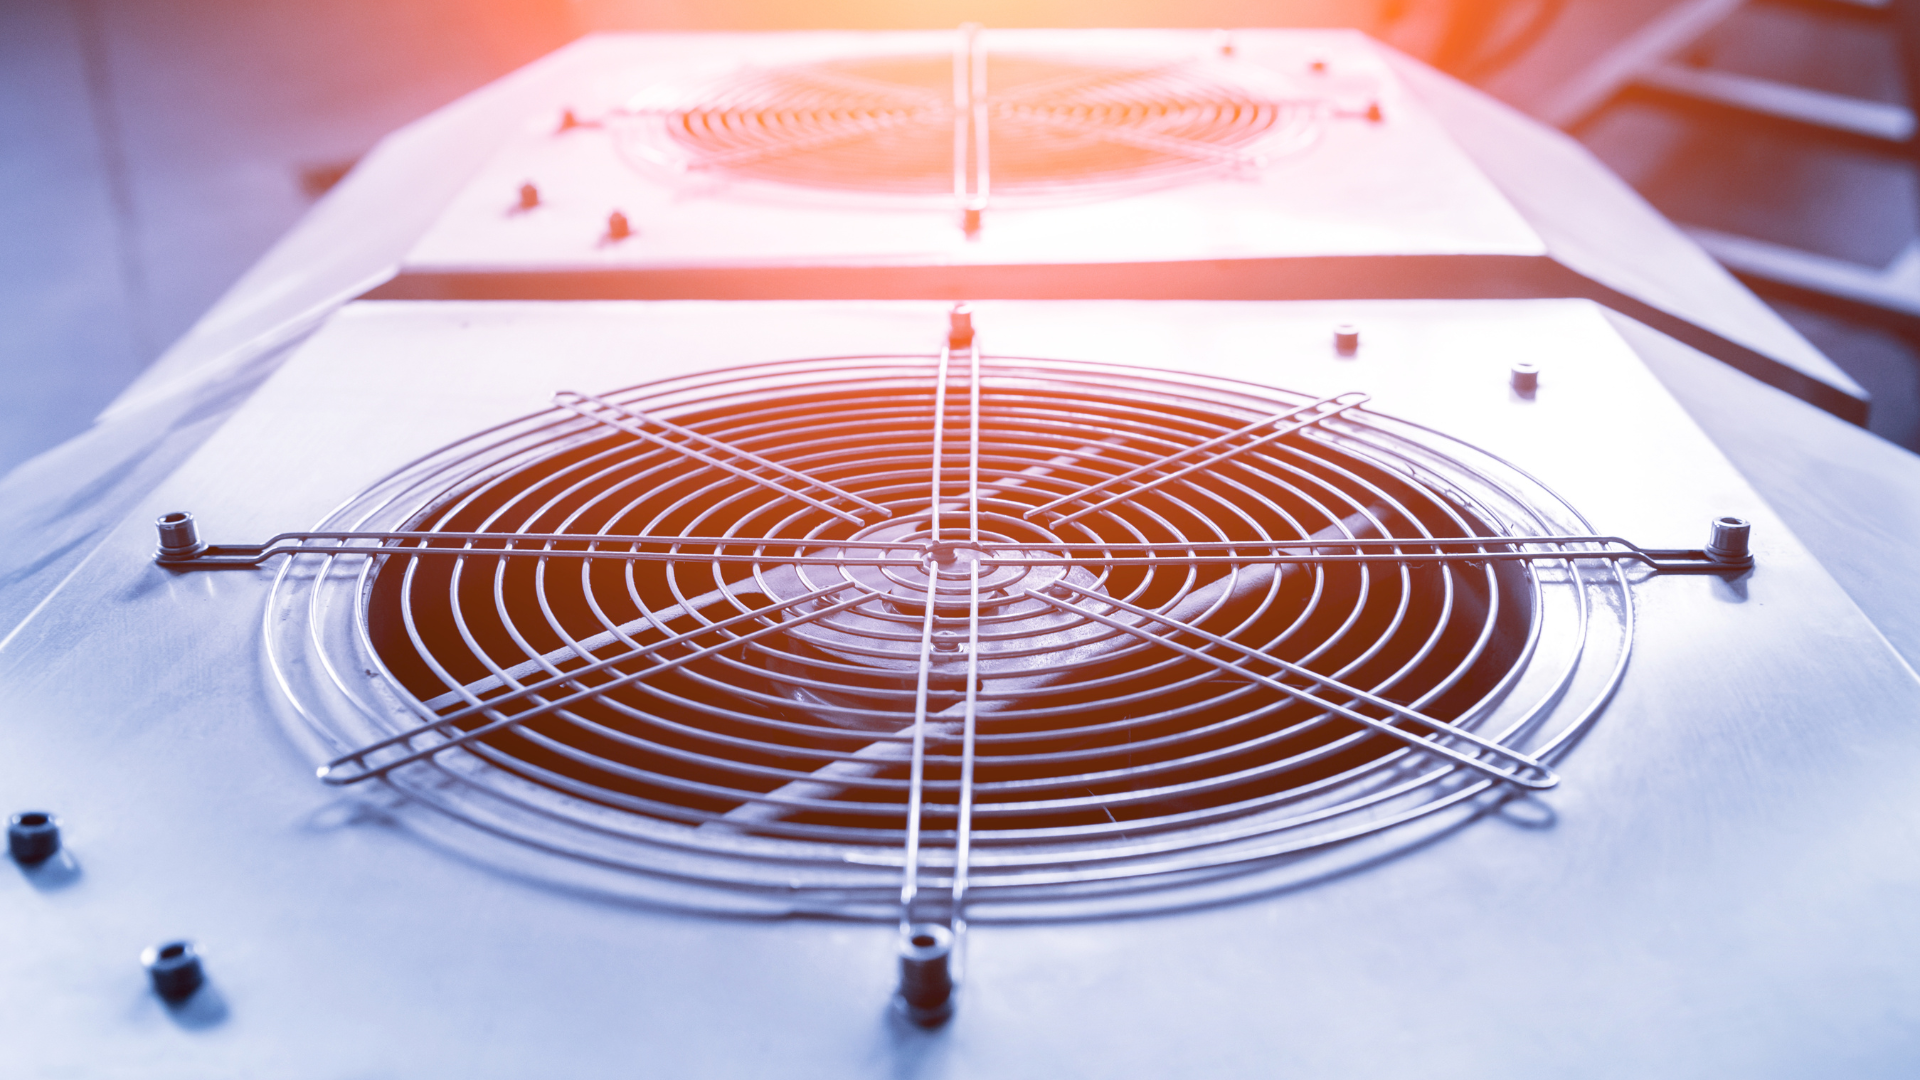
[
  {"x": 174, "y": 970},
  {"x": 1525, "y": 378},
  {"x": 1728, "y": 543},
  {"x": 33, "y": 837},
  {"x": 1346, "y": 339},
  {"x": 926, "y": 974},
  {"x": 179, "y": 536}
]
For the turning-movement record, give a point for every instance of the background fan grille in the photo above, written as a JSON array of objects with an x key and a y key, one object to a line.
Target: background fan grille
[{"x": 887, "y": 124}]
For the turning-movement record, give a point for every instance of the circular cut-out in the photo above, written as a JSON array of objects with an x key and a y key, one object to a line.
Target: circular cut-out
[
  {"x": 1054, "y": 126},
  {"x": 732, "y": 704}
]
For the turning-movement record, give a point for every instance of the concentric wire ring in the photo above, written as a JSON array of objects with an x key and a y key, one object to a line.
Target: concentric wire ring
[
  {"x": 738, "y": 718},
  {"x": 1056, "y": 126}
]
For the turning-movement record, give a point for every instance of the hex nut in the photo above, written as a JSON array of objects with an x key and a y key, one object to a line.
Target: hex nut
[
  {"x": 174, "y": 969},
  {"x": 33, "y": 837}
]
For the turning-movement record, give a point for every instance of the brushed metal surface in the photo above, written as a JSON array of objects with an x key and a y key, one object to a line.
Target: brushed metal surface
[{"x": 1721, "y": 886}]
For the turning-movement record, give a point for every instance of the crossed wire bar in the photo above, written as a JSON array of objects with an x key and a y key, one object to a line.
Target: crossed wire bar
[
  {"x": 1530, "y": 773},
  {"x": 970, "y": 118},
  {"x": 910, "y": 875},
  {"x": 897, "y": 105},
  {"x": 1410, "y": 551}
]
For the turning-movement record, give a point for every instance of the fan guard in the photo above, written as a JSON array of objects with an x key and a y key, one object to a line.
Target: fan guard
[
  {"x": 771, "y": 770},
  {"x": 1056, "y": 126}
]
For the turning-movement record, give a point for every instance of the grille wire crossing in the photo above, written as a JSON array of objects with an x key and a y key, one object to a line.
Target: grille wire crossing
[
  {"x": 1047, "y": 124},
  {"x": 954, "y": 552}
]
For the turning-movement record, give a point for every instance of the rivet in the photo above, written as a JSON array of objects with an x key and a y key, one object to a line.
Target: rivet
[
  {"x": 33, "y": 837},
  {"x": 174, "y": 969},
  {"x": 1346, "y": 339},
  {"x": 179, "y": 536},
  {"x": 926, "y": 974},
  {"x": 1728, "y": 543},
  {"x": 1525, "y": 378},
  {"x": 617, "y": 226},
  {"x": 529, "y": 196}
]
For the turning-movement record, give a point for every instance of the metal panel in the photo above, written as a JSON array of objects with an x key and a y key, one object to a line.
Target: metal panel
[{"x": 1718, "y": 887}]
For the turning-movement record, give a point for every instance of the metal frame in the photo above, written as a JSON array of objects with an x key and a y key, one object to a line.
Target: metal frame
[{"x": 1646, "y": 60}]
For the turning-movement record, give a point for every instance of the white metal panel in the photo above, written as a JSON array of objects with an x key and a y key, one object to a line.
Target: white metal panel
[{"x": 1721, "y": 886}]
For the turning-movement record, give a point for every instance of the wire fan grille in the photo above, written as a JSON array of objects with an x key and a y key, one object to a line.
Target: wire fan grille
[
  {"x": 701, "y": 719},
  {"x": 887, "y": 124}
]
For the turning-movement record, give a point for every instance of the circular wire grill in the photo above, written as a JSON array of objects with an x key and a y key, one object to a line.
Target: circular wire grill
[
  {"x": 737, "y": 709},
  {"x": 1055, "y": 126}
]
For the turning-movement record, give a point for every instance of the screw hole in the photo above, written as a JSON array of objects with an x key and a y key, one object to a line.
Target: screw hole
[
  {"x": 923, "y": 940},
  {"x": 1731, "y": 521},
  {"x": 174, "y": 518},
  {"x": 35, "y": 820},
  {"x": 173, "y": 952}
]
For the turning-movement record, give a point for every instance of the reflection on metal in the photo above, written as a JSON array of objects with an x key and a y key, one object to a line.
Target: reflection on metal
[
  {"x": 1894, "y": 288},
  {"x": 1783, "y": 101}
]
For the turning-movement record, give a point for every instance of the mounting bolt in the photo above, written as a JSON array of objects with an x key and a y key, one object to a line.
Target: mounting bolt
[
  {"x": 926, "y": 974},
  {"x": 1729, "y": 542},
  {"x": 179, "y": 536},
  {"x": 618, "y": 227},
  {"x": 33, "y": 837},
  {"x": 960, "y": 327},
  {"x": 529, "y": 196},
  {"x": 946, "y": 641},
  {"x": 174, "y": 969},
  {"x": 1525, "y": 378},
  {"x": 1346, "y": 339}
]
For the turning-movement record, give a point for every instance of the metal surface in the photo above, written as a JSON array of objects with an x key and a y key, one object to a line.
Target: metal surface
[
  {"x": 1784, "y": 101},
  {"x": 1731, "y": 831},
  {"x": 1598, "y": 228},
  {"x": 1851, "y": 497}
]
